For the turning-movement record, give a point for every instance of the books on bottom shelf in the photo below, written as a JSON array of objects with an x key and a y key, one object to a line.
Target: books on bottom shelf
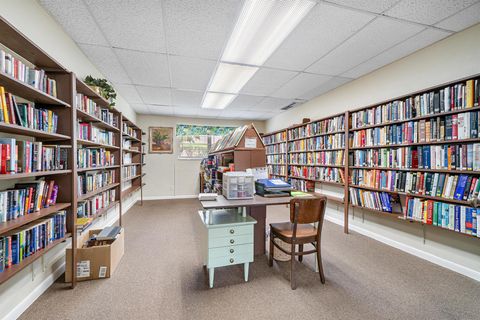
[
  {"x": 454, "y": 217},
  {"x": 23, "y": 242},
  {"x": 89, "y": 208}
]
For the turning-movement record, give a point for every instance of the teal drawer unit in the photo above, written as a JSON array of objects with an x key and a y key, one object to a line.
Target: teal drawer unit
[{"x": 227, "y": 239}]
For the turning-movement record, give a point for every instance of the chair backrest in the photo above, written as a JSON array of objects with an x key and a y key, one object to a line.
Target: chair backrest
[{"x": 308, "y": 210}]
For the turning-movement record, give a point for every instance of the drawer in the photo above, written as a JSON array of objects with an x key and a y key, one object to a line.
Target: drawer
[
  {"x": 231, "y": 251},
  {"x": 230, "y": 231},
  {"x": 230, "y": 241},
  {"x": 229, "y": 261}
]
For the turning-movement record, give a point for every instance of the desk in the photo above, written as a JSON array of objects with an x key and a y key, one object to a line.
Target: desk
[{"x": 256, "y": 208}]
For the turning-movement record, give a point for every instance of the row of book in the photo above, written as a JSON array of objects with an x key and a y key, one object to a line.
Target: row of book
[
  {"x": 127, "y": 158},
  {"x": 326, "y": 126},
  {"x": 276, "y": 148},
  {"x": 87, "y": 131},
  {"x": 380, "y": 201},
  {"x": 277, "y": 158},
  {"x": 332, "y": 158},
  {"x": 91, "y": 181},
  {"x": 335, "y": 141},
  {"x": 129, "y": 130},
  {"x": 275, "y": 138},
  {"x": 302, "y": 185},
  {"x": 445, "y": 128},
  {"x": 89, "y": 106},
  {"x": 450, "y": 157},
  {"x": 23, "y": 242},
  {"x": 448, "y": 216},
  {"x": 456, "y": 97},
  {"x": 25, "y": 114},
  {"x": 26, "y": 198},
  {"x": 20, "y": 156},
  {"x": 91, "y": 206},
  {"x": 94, "y": 157},
  {"x": 129, "y": 171},
  {"x": 317, "y": 173},
  {"x": 277, "y": 170},
  {"x": 459, "y": 187},
  {"x": 36, "y": 78}
]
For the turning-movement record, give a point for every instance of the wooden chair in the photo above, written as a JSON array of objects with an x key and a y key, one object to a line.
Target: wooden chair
[{"x": 299, "y": 231}]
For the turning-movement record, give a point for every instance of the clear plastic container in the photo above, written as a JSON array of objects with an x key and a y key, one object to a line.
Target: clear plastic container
[{"x": 238, "y": 185}]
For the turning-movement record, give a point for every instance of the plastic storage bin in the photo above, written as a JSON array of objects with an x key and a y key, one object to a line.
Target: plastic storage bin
[{"x": 238, "y": 185}]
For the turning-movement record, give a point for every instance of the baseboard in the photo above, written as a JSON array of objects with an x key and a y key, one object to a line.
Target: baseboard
[
  {"x": 468, "y": 272},
  {"x": 192, "y": 196}
]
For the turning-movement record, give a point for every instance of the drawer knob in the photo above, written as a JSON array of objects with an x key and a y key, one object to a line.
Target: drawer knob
[
  {"x": 231, "y": 260},
  {"x": 232, "y": 231},
  {"x": 232, "y": 251},
  {"x": 232, "y": 241}
]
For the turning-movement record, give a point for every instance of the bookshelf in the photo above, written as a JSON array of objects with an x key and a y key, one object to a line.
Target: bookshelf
[
  {"x": 276, "y": 151},
  {"x": 43, "y": 162},
  {"x": 132, "y": 150}
]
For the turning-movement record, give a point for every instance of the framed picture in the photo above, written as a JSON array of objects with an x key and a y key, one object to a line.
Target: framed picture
[{"x": 160, "y": 139}]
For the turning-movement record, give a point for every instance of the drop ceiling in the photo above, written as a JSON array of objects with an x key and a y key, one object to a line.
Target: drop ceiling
[{"x": 161, "y": 54}]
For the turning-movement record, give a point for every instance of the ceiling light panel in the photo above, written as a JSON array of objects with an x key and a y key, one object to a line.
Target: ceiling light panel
[
  {"x": 215, "y": 100},
  {"x": 230, "y": 78},
  {"x": 261, "y": 28}
]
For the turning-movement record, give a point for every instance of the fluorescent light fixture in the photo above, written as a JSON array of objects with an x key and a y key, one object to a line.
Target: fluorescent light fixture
[
  {"x": 231, "y": 78},
  {"x": 215, "y": 100},
  {"x": 261, "y": 28}
]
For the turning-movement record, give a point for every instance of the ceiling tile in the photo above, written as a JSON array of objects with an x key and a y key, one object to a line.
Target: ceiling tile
[
  {"x": 272, "y": 104},
  {"x": 128, "y": 92},
  {"x": 185, "y": 111},
  {"x": 462, "y": 20},
  {"x": 325, "y": 27},
  {"x": 244, "y": 102},
  {"x": 161, "y": 110},
  {"x": 156, "y": 96},
  {"x": 190, "y": 73},
  {"x": 126, "y": 24},
  {"x": 360, "y": 47},
  {"x": 76, "y": 20},
  {"x": 241, "y": 115},
  {"x": 419, "y": 41},
  {"x": 105, "y": 60},
  {"x": 376, "y": 6},
  {"x": 427, "y": 12},
  {"x": 325, "y": 87},
  {"x": 145, "y": 68},
  {"x": 269, "y": 115},
  {"x": 266, "y": 81},
  {"x": 184, "y": 98},
  {"x": 199, "y": 28},
  {"x": 209, "y": 113},
  {"x": 140, "y": 108},
  {"x": 300, "y": 85}
]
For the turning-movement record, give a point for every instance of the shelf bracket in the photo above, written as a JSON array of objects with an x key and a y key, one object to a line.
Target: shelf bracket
[
  {"x": 42, "y": 260},
  {"x": 424, "y": 231},
  {"x": 33, "y": 271}
]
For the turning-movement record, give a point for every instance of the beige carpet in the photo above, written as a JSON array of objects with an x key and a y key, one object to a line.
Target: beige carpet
[{"x": 161, "y": 277}]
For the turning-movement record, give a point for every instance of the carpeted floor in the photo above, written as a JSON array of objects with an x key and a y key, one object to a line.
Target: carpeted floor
[{"x": 161, "y": 277}]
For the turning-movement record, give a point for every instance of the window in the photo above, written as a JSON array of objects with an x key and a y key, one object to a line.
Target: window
[{"x": 195, "y": 141}]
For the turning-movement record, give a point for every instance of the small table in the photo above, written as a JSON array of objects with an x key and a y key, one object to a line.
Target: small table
[
  {"x": 256, "y": 208},
  {"x": 227, "y": 239}
]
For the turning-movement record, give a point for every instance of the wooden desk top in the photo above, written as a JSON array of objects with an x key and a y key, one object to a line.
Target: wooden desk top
[
  {"x": 222, "y": 202},
  {"x": 224, "y": 218}
]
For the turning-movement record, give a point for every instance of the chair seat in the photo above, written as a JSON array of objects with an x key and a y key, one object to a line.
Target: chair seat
[{"x": 285, "y": 230}]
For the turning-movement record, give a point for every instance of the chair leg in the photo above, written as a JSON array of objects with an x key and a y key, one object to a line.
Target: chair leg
[
  {"x": 270, "y": 252},
  {"x": 293, "y": 284},
  {"x": 320, "y": 265},
  {"x": 300, "y": 250}
]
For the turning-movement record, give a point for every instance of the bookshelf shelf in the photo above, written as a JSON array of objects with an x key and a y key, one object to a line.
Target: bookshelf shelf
[
  {"x": 452, "y": 171},
  {"x": 33, "y": 174},
  {"x": 131, "y": 178},
  {"x": 95, "y": 144},
  {"x": 100, "y": 213},
  {"x": 132, "y": 164},
  {"x": 129, "y": 137},
  {"x": 274, "y": 143},
  {"x": 132, "y": 151},
  {"x": 314, "y": 180},
  {"x": 130, "y": 190},
  {"x": 96, "y": 121},
  {"x": 315, "y": 165},
  {"x": 97, "y": 191},
  {"x": 435, "y": 226},
  {"x": 20, "y": 130},
  {"x": 418, "y": 144},
  {"x": 28, "y": 92},
  {"x": 14, "y": 269},
  {"x": 97, "y": 168},
  {"x": 23, "y": 220},
  {"x": 316, "y": 135},
  {"x": 89, "y": 92},
  {"x": 316, "y": 150},
  {"x": 385, "y": 213}
]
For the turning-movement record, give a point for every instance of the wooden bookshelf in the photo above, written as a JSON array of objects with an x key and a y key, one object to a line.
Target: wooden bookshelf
[{"x": 277, "y": 161}]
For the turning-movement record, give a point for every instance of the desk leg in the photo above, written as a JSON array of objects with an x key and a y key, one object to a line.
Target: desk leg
[
  {"x": 245, "y": 271},
  {"x": 259, "y": 213},
  {"x": 210, "y": 276}
]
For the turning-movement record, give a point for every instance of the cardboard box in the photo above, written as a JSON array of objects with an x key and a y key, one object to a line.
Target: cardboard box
[{"x": 96, "y": 262}]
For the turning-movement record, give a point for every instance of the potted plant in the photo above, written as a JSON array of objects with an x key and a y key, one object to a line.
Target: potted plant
[{"x": 103, "y": 88}]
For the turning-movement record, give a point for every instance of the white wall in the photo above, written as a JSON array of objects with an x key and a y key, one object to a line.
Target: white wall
[
  {"x": 34, "y": 22},
  {"x": 167, "y": 176},
  {"x": 452, "y": 58}
]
